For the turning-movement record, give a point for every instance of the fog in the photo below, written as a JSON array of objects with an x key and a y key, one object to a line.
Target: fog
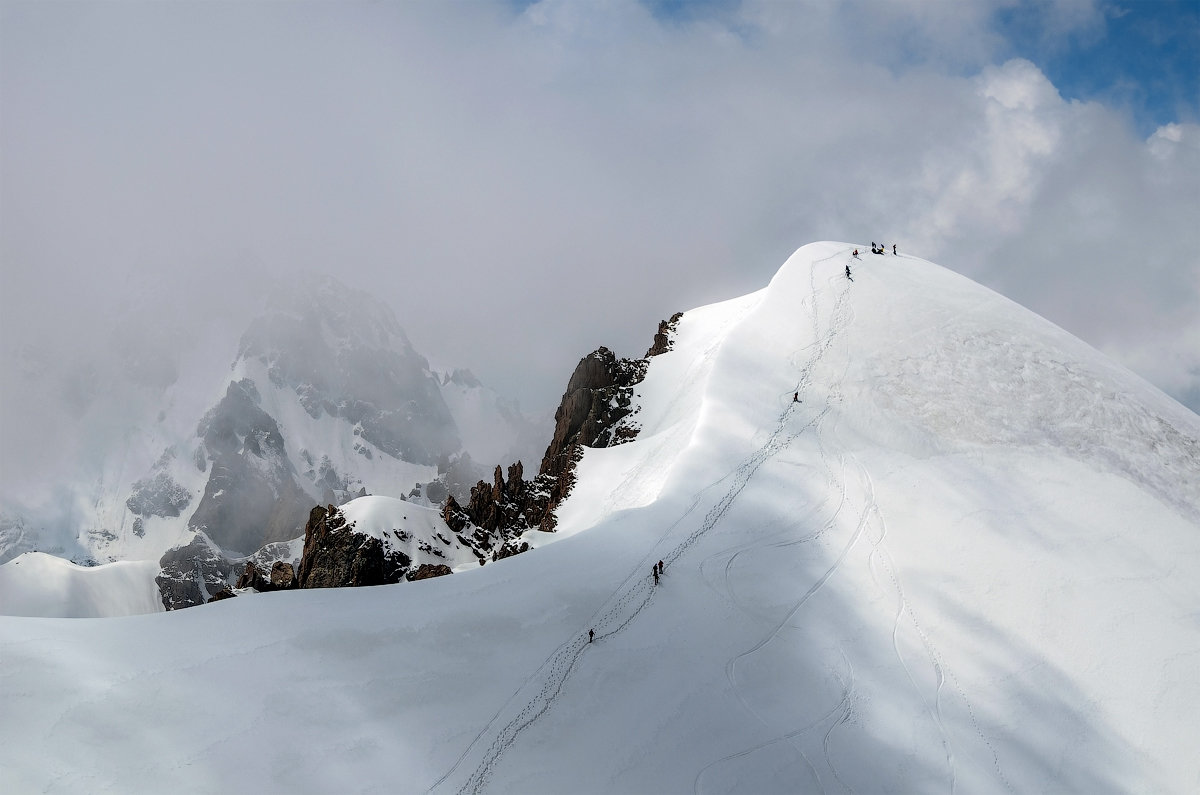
[{"x": 523, "y": 183}]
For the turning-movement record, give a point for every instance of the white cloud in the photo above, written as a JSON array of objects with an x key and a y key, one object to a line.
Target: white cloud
[{"x": 523, "y": 187}]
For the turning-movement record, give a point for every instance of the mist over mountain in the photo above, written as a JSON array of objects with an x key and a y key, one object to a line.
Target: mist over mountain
[{"x": 325, "y": 399}]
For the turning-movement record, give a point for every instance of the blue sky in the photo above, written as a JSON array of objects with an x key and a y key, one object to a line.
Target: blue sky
[
  {"x": 1140, "y": 55},
  {"x": 1145, "y": 57}
]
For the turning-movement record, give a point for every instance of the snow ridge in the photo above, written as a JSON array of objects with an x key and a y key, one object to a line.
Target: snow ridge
[{"x": 636, "y": 592}]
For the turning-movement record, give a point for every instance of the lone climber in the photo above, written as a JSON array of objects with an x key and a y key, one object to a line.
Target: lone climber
[{"x": 591, "y": 635}]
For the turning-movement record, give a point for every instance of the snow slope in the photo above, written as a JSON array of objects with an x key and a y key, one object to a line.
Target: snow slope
[
  {"x": 962, "y": 563},
  {"x": 37, "y": 584}
]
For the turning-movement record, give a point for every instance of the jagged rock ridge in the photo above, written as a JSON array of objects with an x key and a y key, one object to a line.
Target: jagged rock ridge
[{"x": 596, "y": 410}]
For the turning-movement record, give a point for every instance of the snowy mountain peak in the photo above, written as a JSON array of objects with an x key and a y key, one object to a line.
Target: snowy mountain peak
[{"x": 914, "y": 538}]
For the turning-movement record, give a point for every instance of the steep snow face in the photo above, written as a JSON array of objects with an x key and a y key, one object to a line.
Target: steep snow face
[{"x": 917, "y": 576}]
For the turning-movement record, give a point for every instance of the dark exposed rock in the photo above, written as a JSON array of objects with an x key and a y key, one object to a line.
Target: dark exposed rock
[
  {"x": 335, "y": 556},
  {"x": 252, "y": 577},
  {"x": 453, "y": 515},
  {"x": 158, "y": 496},
  {"x": 595, "y": 411},
  {"x": 662, "y": 339},
  {"x": 224, "y": 593},
  {"x": 427, "y": 570},
  {"x": 510, "y": 548},
  {"x": 283, "y": 576},
  {"x": 252, "y": 497},
  {"x": 189, "y": 575}
]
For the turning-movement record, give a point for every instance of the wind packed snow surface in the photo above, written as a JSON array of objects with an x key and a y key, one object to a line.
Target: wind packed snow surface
[{"x": 962, "y": 561}]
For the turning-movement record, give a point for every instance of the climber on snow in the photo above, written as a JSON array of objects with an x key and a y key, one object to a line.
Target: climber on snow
[{"x": 848, "y": 276}]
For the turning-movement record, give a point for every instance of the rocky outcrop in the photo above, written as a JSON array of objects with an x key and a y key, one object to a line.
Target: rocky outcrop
[
  {"x": 282, "y": 577},
  {"x": 224, "y": 593},
  {"x": 662, "y": 338},
  {"x": 510, "y": 548},
  {"x": 192, "y": 574},
  {"x": 252, "y": 577},
  {"x": 595, "y": 411},
  {"x": 427, "y": 570},
  {"x": 158, "y": 495},
  {"x": 335, "y": 556}
]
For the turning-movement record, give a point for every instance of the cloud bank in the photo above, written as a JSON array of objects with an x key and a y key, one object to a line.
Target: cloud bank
[{"x": 523, "y": 183}]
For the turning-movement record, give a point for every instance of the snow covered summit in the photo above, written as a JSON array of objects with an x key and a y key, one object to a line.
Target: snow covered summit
[{"x": 915, "y": 539}]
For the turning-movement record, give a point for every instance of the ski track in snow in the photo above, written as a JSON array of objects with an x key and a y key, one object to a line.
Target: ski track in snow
[
  {"x": 636, "y": 592},
  {"x": 868, "y": 514},
  {"x": 840, "y": 317},
  {"x": 905, "y": 609}
]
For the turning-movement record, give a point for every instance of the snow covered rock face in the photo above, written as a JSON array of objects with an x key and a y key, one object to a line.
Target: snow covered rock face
[
  {"x": 335, "y": 556},
  {"x": 378, "y": 541},
  {"x": 192, "y": 574},
  {"x": 159, "y": 495}
]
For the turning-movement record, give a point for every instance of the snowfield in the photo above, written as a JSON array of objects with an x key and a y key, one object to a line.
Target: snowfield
[{"x": 962, "y": 562}]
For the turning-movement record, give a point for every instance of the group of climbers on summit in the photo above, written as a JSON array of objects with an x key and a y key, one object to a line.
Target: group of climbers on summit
[
  {"x": 657, "y": 570},
  {"x": 875, "y": 249},
  {"x": 878, "y": 249}
]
